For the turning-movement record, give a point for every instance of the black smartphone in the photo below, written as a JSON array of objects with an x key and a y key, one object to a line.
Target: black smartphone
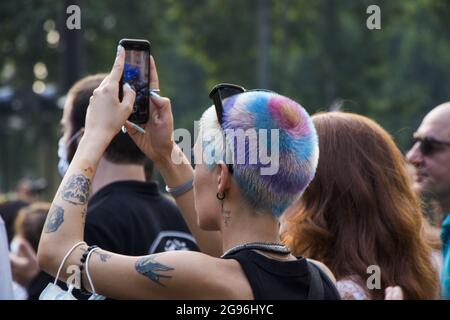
[{"x": 137, "y": 74}]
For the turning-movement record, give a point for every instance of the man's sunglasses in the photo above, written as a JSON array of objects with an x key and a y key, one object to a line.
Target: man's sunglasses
[{"x": 429, "y": 145}]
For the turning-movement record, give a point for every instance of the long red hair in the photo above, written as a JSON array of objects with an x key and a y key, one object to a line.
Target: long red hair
[{"x": 360, "y": 210}]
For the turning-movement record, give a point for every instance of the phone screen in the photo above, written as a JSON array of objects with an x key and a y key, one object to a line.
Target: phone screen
[{"x": 136, "y": 74}]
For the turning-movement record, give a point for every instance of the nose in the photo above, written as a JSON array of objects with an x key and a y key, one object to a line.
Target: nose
[{"x": 415, "y": 156}]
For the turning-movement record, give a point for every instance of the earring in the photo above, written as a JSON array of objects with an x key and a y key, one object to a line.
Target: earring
[
  {"x": 225, "y": 212},
  {"x": 220, "y": 196}
]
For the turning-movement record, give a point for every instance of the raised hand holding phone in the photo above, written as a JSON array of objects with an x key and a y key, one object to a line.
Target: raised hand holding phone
[
  {"x": 106, "y": 113},
  {"x": 157, "y": 141}
]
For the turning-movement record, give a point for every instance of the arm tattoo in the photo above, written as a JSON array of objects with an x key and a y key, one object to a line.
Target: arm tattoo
[
  {"x": 148, "y": 267},
  {"x": 76, "y": 190},
  {"x": 103, "y": 256},
  {"x": 55, "y": 219}
]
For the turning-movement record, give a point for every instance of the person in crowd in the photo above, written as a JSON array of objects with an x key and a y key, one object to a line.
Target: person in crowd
[
  {"x": 430, "y": 155},
  {"x": 25, "y": 269},
  {"x": 6, "y": 289},
  {"x": 360, "y": 215},
  {"x": 9, "y": 211},
  {"x": 26, "y": 192},
  {"x": 236, "y": 200}
]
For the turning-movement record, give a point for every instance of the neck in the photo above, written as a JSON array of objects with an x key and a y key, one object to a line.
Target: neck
[
  {"x": 246, "y": 226},
  {"x": 108, "y": 172}
]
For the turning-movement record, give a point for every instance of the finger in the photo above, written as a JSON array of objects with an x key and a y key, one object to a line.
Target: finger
[
  {"x": 158, "y": 101},
  {"x": 104, "y": 81},
  {"x": 132, "y": 128},
  {"x": 133, "y": 133},
  {"x": 129, "y": 97},
  {"x": 397, "y": 293},
  {"x": 117, "y": 69},
  {"x": 154, "y": 81}
]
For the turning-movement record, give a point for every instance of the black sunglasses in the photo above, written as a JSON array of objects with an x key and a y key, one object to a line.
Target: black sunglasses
[
  {"x": 222, "y": 91},
  {"x": 429, "y": 145},
  {"x": 225, "y": 90}
]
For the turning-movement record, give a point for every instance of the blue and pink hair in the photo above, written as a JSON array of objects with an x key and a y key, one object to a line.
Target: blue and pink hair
[{"x": 297, "y": 144}]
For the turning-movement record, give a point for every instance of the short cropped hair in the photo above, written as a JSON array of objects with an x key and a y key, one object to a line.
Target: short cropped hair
[{"x": 297, "y": 147}]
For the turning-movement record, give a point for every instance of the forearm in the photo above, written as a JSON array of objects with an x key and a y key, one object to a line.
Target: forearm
[
  {"x": 65, "y": 221},
  {"x": 176, "y": 175}
]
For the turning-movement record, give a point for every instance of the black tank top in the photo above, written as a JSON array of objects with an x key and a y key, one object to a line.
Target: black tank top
[{"x": 280, "y": 280}]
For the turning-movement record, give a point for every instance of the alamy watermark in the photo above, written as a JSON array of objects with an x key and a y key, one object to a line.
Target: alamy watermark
[
  {"x": 374, "y": 281},
  {"x": 73, "y": 21},
  {"x": 373, "y": 22},
  {"x": 260, "y": 147}
]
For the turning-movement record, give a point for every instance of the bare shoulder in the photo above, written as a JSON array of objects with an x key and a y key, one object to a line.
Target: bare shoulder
[{"x": 324, "y": 268}]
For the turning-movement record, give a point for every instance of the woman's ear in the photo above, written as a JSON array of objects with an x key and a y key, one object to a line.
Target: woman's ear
[{"x": 223, "y": 177}]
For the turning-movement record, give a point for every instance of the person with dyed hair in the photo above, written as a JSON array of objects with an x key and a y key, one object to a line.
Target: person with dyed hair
[{"x": 236, "y": 196}]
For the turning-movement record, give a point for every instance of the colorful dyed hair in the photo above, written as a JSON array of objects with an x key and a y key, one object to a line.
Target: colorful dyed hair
[{"x": 297, "y": 145}]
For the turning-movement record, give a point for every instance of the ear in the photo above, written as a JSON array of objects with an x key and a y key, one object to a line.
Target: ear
[{"x": 223, "y": 177}]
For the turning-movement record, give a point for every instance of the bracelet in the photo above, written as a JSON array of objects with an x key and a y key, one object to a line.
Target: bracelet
[
  {"x": 83, "y": 260},
  {"x": 178, "y": 191}
]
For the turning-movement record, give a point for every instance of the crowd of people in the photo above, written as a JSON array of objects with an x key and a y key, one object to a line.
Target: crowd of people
[{"x": 344, "y": 201}]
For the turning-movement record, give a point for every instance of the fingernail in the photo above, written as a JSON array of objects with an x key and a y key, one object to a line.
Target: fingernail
[
  {"x": 119, "y": 48},
  {"x": 154, "y": 94},
  {"x": 137, "y": 127},
  {"x": 129, "y": 86},
  {"x": 124, "y": 129}
]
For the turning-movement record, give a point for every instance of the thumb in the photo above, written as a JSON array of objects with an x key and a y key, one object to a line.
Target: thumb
[{"x": 128, "y": 97}]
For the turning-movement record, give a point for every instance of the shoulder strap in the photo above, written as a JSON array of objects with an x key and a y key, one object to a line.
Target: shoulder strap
[{"x": 316, "y": 291}]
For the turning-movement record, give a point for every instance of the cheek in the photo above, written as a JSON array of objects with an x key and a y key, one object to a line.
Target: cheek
[{"x": 439, "y": 167}]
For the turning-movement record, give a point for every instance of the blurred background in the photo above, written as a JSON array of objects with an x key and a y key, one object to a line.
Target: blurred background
[{"x": 318, "y": 52}]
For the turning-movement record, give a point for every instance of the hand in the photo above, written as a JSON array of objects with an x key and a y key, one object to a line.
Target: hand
[
  {"x": 106, "y": 114},
  {"x": 24, "y": 266},
  {"x": 394, "y": 293},
  {"x": 156, "y": 143}
]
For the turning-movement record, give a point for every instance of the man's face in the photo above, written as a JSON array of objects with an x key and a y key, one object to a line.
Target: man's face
[{"x": 432, "y": 174}]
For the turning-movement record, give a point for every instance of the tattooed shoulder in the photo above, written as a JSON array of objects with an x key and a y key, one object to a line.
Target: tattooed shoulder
[
  {"x": 55, "y": 219},
  {"x": 76, "y": 190},
  {"x": 149, "y": 267}
]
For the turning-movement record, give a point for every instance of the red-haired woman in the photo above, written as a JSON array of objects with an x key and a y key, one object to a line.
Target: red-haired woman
[{"x": 360, "y": 211}]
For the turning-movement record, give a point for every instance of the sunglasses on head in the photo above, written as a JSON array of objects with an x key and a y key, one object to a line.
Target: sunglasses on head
[
  {"x": 429, "y": 145},
  {"x": 222, "y": 91},
  {"x": 225, "y": 90}
]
